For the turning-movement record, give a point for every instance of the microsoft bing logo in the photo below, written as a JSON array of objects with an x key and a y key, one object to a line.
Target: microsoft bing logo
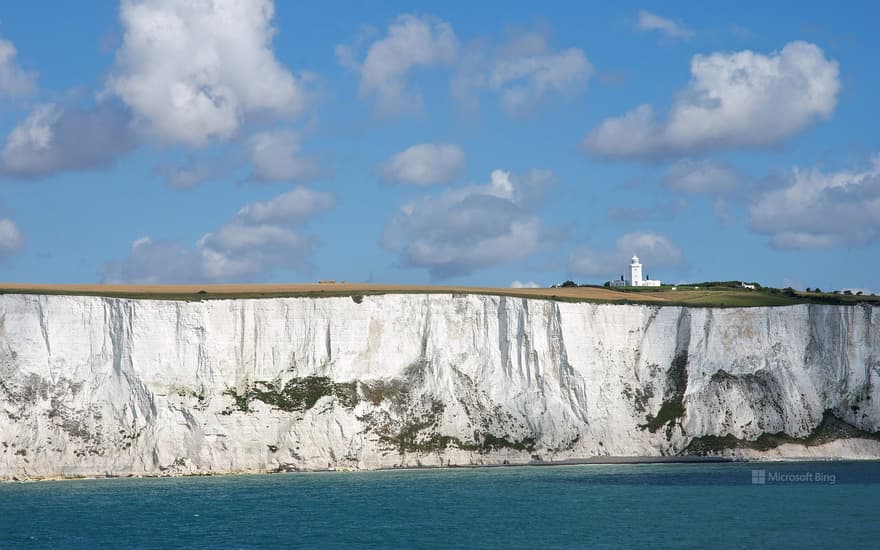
[
  {"x": 759, "y": 477},
  {"x": 773, "y": 477}
]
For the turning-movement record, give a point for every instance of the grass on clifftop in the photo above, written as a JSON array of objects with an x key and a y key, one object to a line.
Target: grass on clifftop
[{"x": 711, "y": 294}]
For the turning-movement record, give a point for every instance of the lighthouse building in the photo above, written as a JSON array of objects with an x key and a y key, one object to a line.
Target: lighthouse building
[{"x": 635, "y": 276}]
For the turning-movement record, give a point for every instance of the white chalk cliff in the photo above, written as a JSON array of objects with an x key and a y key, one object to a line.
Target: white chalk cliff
[{"x": 107, "y": 386}]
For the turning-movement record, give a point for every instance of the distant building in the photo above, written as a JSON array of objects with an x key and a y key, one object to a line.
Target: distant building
[
  {"x": 635, "y": 276},
  {"x": 746, "y": 285}
]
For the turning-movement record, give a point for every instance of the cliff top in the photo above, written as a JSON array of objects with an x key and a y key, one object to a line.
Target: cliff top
[{"x": 702, "y": 295}]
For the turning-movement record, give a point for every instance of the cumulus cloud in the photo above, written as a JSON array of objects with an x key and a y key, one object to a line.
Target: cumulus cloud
[
  {"x": 194, "y": 71},
  {"x": 291, "y": 208},
  {"x": 523, "y": 73},
  {"x": 526, "y": 284},
  {"x": 465, "y": 229},
  {"x": 276, "y": 156},
  {"x": 734, "y": 100},
  {"x": 815, "y": 209},
  {"x": 654, "y": 251},
  {"x": 411, "y": 42},
  {"x": 14, "y": 81},
  {"x": 54, "y": 138},
  {"x": 273, "y": 156},
  {"x": 11, "y": 239},
  {"x": 425, "y": 164},
  {"x": 667, "y": 27},
  {"x": 261, "y": 237},
  {"x": 242, "y": 251},
  {"x": 701, "y": 176}
]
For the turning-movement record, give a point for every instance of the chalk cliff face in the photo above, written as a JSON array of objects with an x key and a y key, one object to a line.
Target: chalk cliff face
[{"x": 104, "y": 386}]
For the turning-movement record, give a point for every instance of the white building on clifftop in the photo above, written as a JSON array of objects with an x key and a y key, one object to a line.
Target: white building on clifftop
[{"x": 635, "y": 276}]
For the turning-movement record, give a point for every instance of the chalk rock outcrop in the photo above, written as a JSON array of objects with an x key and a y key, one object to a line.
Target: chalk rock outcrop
[{"x": 108, "y": 386}]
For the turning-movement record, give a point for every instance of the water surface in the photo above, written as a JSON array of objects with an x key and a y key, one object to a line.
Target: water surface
[{"x": 805, "y": 505}]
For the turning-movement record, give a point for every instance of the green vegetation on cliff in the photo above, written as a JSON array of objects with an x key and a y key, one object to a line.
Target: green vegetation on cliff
[
  {"x": 298, "y": 394},
  {"x": 829, "y": 429}
]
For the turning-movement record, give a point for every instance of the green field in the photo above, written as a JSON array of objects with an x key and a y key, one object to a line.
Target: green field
[{"x": 730, "y": 295}]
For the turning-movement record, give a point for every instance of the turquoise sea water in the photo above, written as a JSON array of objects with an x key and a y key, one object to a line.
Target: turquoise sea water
[{"x": 800, "y": 505}]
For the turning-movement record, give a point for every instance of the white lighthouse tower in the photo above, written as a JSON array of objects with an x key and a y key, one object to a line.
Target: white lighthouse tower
[
  {"x": 635, "y": 276},
  {"x": 635, "y": 272}
]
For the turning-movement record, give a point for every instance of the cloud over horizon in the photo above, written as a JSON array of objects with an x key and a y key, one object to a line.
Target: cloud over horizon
[
  {"x": 261, "y": 237},
  {"x": 655, "y": 251},
  {"x": 464, "y": 229},
  {"x": 815, "y": 209}
]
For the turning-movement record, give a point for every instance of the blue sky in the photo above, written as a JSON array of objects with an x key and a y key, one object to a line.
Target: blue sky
[{"x": 463, "y": 143}]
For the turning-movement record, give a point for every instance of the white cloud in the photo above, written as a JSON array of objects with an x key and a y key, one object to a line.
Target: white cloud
[
  {"x": 411, "y": 42},
  {"x": 261, "y": 237},
  {"x": 276, "y": 156},
  {"x": 11, "y": 239},
  {"x": 733, "y": 100},
  {"x": 465, "y": 229},
  {"x": 669, "y": 28},
  {"x": 526, "y": 284},
  {"x": 54, "y": 138},
  {"x": 654, "y": 251},
  {"x": 14, "y": 81},
  {"x": 425, "y": 164},
  {"x": 291, "y": 208},
  {"x": 241, "y": 251},
  {"x": 701, "y": 176},
  {"x": 194, "y": 71},
  {"x": 524, "y": 73},
  {"x": 821, "y": 210}
]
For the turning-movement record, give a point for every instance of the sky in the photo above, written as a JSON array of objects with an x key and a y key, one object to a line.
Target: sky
[{"x": 466, "y": 143}]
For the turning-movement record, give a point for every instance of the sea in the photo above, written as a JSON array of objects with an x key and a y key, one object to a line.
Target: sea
[{"x": 719, "y": 505}]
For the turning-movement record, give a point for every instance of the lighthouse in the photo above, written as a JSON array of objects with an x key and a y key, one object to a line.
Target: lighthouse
[
  {"x": 635, "y": 272},
  {"x": 635, "y": 276}
]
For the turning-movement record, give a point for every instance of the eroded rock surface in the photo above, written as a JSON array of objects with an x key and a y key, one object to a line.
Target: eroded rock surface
[{"x": 106, "y": 386}]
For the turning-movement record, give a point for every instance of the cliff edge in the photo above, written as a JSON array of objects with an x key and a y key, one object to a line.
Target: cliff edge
[{"x": 108, "y": 386}]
